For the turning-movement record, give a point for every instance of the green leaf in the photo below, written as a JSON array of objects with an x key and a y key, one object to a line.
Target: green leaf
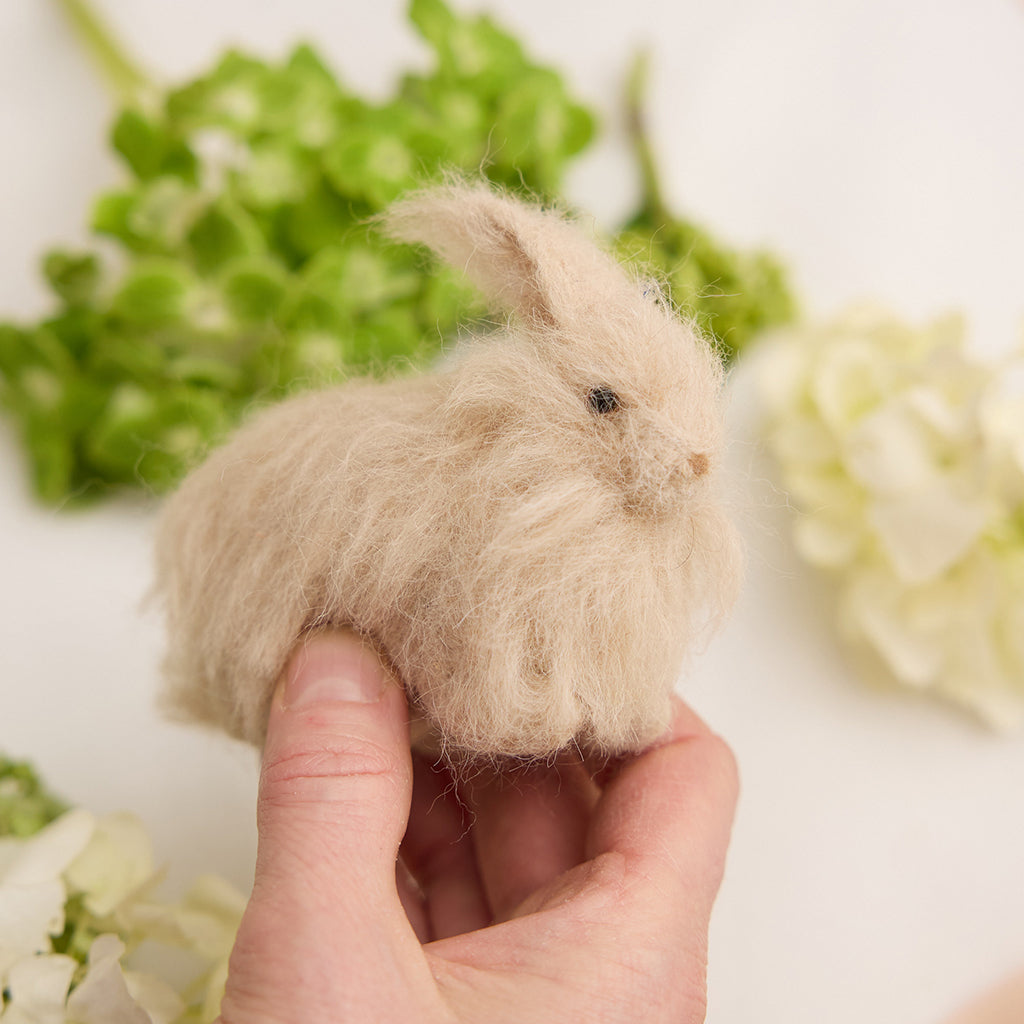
[
  {"x": 359, "y": 278},
  {"x": 306, "y": 311},
  {"x": 14, "y": 344},
  {"x": 446, "y": 298},
  {"x": 140, "y": 141},
  {"x": 26, "y": 805},
  {"x": 390, "y": 336},
  {"x": 154, "y": 437},
  {"x": 150, "y": 148},
  {"x": 305, "y": 61},
  {"x": 154, "y": 293},
  {"x": 222, "y": 233},
  {"x": 54, "y": 459},
  {"x": 320, "y": 219},
  {"x": 21, "y": 349},
  {"x": 433, "y": 19},
  {"x": 254, "y": 289},
  {"x": 227, "y": 97},
  {"x": 277, "y": 172},
  {"x": 733, "y": 295},
  {"x": 317, "y": 358},
  {"x": 126, "y": 352},
  {"x": 372, "y": 166},
  {"x": 449, "y": 125},
  {"x": 73, "y": 276},
  {"x": 154, "y": 218},
  {"x": 536, "y": 130},
  {"x": 468, "y": 48},
  {"x": 111, "y": 215},
  {"x": 210, "y": 371},
  {"x": 76, "y": 329}
]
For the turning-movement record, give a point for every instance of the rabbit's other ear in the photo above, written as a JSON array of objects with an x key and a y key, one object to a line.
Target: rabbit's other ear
[{"x": 525, "y": 260}]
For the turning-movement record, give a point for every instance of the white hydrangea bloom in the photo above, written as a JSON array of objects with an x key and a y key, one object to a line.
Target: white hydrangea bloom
[
  {"x": 32, "y": 889},
  {"x": 106, "y": 866},
  {"x": 905, "y": 458}
]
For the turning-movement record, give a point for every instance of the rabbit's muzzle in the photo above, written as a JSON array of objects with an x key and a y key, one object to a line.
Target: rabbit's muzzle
[{"x": 663, "y": 478}]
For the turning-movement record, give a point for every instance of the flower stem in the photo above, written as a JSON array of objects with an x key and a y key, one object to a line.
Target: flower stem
[
  {"x": 653, "y": 208},
  {"x": 127, "y": 80}
]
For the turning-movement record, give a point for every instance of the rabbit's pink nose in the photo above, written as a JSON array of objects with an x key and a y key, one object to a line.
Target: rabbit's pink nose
[{"x": 699, "y": 464}]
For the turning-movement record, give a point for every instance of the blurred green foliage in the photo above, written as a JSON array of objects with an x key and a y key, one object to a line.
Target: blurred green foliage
[
  {"x": 732, "y": 294},
  {"x": 26, "y": 805},
  {"x": 247, "y": 266}
]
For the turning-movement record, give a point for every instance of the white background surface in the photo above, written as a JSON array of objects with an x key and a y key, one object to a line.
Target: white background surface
[{"x": 876, "y": 871}]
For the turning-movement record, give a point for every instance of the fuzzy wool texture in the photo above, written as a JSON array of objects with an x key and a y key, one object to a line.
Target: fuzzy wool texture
[{"x": 534, "y": 562}]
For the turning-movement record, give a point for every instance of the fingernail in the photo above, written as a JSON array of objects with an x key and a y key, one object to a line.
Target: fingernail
[{"x": 332, "y": 667}]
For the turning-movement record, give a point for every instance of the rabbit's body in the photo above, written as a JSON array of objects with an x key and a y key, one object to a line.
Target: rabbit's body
[{"x": 530, "y": 537}]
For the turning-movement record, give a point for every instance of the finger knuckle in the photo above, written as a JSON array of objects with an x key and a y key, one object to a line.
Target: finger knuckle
[{"x": 348, "y": 757}]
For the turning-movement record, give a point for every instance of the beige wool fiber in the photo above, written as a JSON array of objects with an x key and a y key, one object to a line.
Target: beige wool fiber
[{"x": 531, "y": 535}]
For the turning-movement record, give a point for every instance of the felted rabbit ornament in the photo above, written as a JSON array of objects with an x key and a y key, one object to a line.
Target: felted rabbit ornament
[{"x": 530, "y": 535}]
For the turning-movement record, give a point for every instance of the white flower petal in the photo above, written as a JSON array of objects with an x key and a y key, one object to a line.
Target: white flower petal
[
  {"x": 889, "y": 451},
  {"x": 1001, "y": 709},
  {"x": 46, "y": 854},
  {"x": 825, "y": 489},
  {"x": 804, "y": 440},
  {"x": 872, "y": 612},
  {"x": 102, "y": 997},
  {"x": 976, "y": 679},
  {"x": 209, "y": 916},
  {"x": 1001, "y": 418},
  {"x": 926, "y": 532},
  {"x": 29, "y": 915},
  {"x": 848, "y": 383},
  {"x": 155, "y": 996},
  {"x": 37, "y": 988},
  {"x": 117, "y": 861},
  {"x": 936, "y": 411},
  {"x": 826, "y": 540},
  {"x": 205, "y": 921}
]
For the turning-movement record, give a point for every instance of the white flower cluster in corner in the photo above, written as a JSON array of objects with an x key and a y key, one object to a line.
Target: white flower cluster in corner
[
  {"x": 905, "y": 459},
  {"x": 75, "y": 898}
]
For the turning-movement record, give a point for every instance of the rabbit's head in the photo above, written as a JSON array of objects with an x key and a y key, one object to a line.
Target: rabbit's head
[{"x": 594, "y": 357}]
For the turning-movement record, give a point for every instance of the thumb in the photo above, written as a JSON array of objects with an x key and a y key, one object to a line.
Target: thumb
[
  {"x": 334, "y": 799},
  {"x": 336, "y": 781}
]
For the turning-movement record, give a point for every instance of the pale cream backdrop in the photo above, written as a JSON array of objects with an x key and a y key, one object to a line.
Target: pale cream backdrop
[{"x": 879, "y": 145}]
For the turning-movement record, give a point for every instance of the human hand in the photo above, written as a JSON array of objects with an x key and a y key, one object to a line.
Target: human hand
[{"x": 534, "y": 896}]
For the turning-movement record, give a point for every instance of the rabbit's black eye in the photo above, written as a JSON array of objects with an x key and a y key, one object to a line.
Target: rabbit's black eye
[{"x": 602, "y": 399}]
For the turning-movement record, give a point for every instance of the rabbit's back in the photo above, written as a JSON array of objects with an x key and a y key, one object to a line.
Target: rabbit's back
[{"x": 249, "y": 549}]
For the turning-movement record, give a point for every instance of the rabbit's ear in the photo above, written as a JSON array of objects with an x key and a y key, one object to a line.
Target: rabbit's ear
[{"x": 525, "y": 260}]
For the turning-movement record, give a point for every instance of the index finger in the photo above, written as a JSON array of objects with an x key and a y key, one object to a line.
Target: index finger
[{"x": 669, "y": 811}]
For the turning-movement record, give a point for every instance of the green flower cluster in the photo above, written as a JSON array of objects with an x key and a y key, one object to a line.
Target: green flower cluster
[
  {"x": 249, "y": 267},
  {"x": 733, "y": 295}
]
